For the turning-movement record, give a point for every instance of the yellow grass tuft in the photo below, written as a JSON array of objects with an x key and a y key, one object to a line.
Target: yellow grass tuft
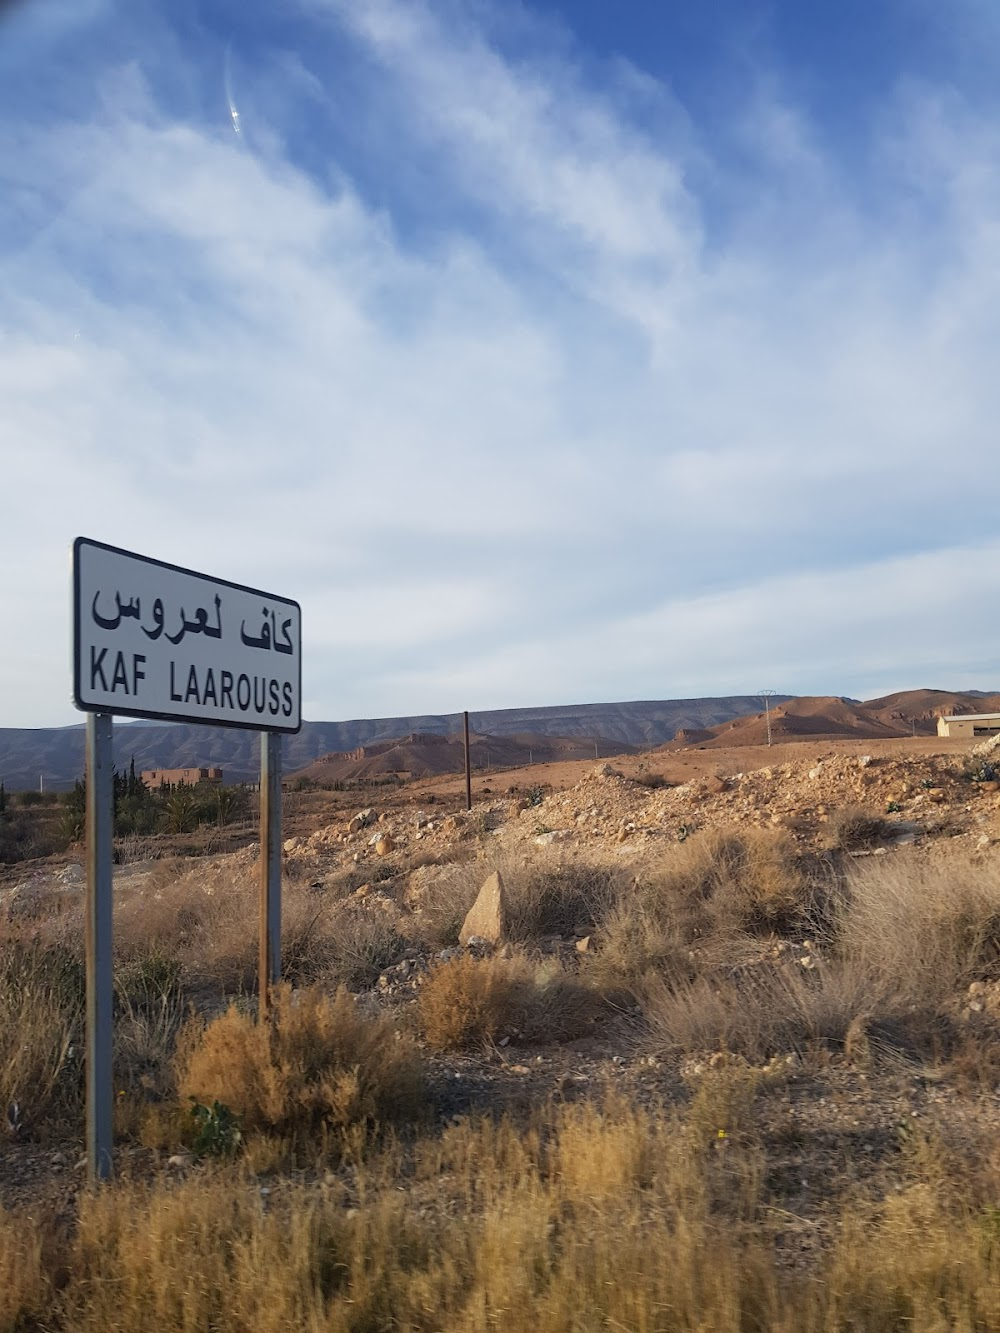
[
  {"x": 317, "y": 1063},
  {"x": 469, "y": 1001}
]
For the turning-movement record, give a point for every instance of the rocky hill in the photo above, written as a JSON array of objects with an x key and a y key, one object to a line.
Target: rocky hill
[
  {"x": 56, "y": 754},
  {"x": 906, "y": 713},
  {"x": 423, "y": 755}
]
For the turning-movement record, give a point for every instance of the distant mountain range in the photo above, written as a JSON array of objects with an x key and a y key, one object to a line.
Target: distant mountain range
[{"x": 56, "y": 754}]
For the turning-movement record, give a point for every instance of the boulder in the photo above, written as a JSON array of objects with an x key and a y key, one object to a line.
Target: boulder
[{"x": 487, "y": 917}]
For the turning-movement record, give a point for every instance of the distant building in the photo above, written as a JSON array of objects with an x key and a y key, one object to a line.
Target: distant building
[
  {"x": 969, "y": 725},
  {"x": 173, "y": 777}
]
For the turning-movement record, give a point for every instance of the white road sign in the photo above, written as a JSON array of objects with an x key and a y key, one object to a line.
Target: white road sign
[{"x": 155, "y": 640}]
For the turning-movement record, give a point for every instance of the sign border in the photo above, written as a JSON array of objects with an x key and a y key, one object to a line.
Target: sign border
[{"x": 242, "y": 725}]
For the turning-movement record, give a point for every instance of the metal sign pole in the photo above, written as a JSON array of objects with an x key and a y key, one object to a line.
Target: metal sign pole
[
  {"x": 269, "y": 969},
  {"x": 100, "y": 993}
]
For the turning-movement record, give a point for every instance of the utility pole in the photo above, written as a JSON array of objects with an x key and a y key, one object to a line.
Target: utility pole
[
  {"x": 468, "y": 766},
  {"x": 767, "y": 696}
]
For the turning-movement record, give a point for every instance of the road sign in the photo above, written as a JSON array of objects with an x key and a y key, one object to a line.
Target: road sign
[{"x": 155, "y": 640}]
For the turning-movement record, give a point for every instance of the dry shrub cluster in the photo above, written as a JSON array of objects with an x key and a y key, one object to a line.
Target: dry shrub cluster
[
  {"x": 467, "y": 1002},
  {"x": 207, "y": 918},
  {"x": 923, "y": 929},
  {"x": 41, "y": 1013},
  {"x": 318, "y": 1064},
  {"x": 698, "y": 903},
  {"x": 202, "y": 914},
  {"x": 150, "y": 1008},
  {"x": 855, "y": 827},
  {"x": 341, "y": 944},
  {"x": 725, "y": 881},
  {"x": 594, "y": 1217},
  {"x": 904, "y": 940},
  {"x": 759, "y": 1013}
]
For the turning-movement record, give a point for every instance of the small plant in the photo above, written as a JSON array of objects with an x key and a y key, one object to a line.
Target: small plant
[
  {"x": 856, "y": 827},
  {"x": 927, "y": 784},
  {"x": 684, "y": 832},
  {"x": 982, "y": 770},
  {"x": 219, "y": 1132},
  {"x": 893, "y": 808},
  {"x": 535, "y": 796}
]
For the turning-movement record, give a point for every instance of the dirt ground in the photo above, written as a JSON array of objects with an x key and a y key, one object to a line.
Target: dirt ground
[{"x": 830, "y": 1124}]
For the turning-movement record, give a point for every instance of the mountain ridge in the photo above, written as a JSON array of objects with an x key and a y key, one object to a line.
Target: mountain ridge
[{"x": 56, "y": 754}]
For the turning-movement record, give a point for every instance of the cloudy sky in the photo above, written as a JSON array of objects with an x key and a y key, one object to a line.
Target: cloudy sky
[{"x": 546, "y": 352}]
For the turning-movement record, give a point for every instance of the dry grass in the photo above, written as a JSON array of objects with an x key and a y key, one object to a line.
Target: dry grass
[
  {"x": 590, "y": 1218},
  {"x": 25, "y": 1294},
  {"x": 342, "y": 944},
  {"x": 694, "y": 909},
  {"x": 318, "y": 1064},
  {"x": 925, "y": 930},
  {"x": 206, "y": 917},
  {"x": 855, "y": 827},
  {"x": 723, "y": 881},
  {"x": 203, "y": 914},
  {"x": 906, "y": 938},
  {"x": 41, "y": 1009},
  {"x": 768, "y": 1010},
  {"x": 149, "y": 1011},
  {"x": 468, "y": 1002}
]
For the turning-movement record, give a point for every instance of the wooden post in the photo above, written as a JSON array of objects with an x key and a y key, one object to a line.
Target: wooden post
[
  {"x": 100, "y": 986},
  {"x": 468, "y": 767},
  {"x": 269, "y": 966}
]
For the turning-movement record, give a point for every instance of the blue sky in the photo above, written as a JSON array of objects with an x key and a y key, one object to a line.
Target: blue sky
[{"x": 545, "y": 352}]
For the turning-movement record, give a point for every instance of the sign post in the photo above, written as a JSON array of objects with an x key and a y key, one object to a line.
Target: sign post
[
  {"x": 269, "y": 967},
  {"x": 100, "y": 985},
  {"x": 154, "y": 640}
]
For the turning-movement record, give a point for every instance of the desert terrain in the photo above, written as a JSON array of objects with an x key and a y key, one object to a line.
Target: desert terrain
[{"x": 718, "y": 1048}]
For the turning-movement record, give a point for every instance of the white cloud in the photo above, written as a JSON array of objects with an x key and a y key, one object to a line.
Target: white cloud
[{"x": 568, "y": 434}]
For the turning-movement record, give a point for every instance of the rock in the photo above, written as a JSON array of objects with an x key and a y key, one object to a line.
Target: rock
[
  {"x": 385, "y": 845},
  {"x": 604, "y": 771},
  {"x": 553, "y": 835},
  {"x": 180, "y": 1161},
  {"x": 290, "y": 844},
  {"x": 716, "y": 784},
  {"x": 864, "y": 761},
  {"x": 583, "y": 946},
  {"x": 487, "y": 917}
]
